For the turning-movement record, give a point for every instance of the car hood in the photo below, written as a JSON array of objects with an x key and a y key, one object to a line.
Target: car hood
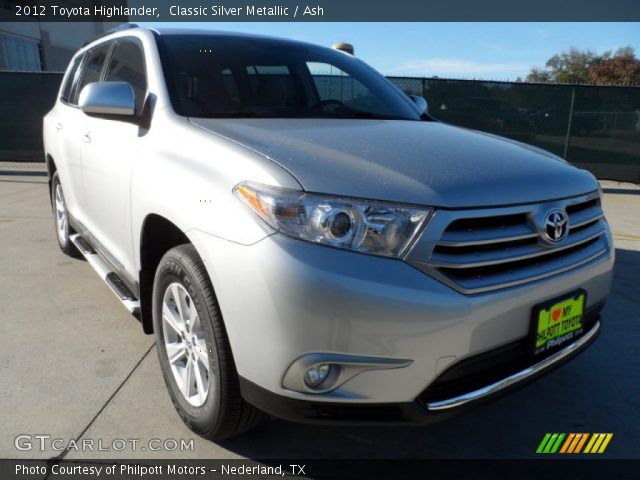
[{"x": 426, "y": 163}]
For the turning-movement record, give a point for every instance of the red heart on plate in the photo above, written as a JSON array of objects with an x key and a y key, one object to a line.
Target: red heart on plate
[{"x": 556, "y": 314}]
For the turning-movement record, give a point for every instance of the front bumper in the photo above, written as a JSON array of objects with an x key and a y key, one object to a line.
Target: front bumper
[
  {"x": 283, "y": 298},
  {"x": 424, "y": 409}
]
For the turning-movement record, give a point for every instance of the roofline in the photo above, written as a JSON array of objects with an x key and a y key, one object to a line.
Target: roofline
[
  {"x": 119, "y": 28},
  {"x": 171, "y": 31}
]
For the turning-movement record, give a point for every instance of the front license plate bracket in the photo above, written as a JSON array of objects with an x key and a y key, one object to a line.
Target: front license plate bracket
[{"x": 558, "y": 321}]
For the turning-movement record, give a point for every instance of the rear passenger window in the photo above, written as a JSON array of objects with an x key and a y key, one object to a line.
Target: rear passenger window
[
  {"x": 93, "y": 67},
  {"x": 127, "y": 65},
  {"x": 67, "y": 88}
]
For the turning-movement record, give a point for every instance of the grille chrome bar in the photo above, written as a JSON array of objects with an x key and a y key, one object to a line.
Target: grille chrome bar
[
  {"x": 513, "y": 254},
  {"x": 488, "y": 237},
  {"x": 511, "y": 280},
  {"x": 585, "y": 217}
]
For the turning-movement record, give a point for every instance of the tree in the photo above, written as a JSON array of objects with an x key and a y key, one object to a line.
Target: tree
[
  {"x": 538, "y": 75},
  {"x": 621, "y": 68},
  {"x": 577, "y": 66},
  {"x": 573, "y": 66}
]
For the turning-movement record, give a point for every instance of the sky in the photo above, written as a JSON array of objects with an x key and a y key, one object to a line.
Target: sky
[{"x": 489, "y": 51}]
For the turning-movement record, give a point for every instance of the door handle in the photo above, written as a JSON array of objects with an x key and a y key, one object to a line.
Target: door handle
[
  {"x": 86, "y": 138},
  {"x": 58, "y": 126}
]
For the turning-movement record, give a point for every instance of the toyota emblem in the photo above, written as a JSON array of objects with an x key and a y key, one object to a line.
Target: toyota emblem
[{"x": 555, "y": 225}]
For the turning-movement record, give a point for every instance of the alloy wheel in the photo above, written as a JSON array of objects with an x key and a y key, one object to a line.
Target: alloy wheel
[
  {"x": 62, "y": 222},
  {"x": 185, "y": 344}
]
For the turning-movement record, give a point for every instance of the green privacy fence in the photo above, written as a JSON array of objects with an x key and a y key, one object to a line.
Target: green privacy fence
[
  {"x": 25, "y": 98},
  {"x": 597, "y": 128}
]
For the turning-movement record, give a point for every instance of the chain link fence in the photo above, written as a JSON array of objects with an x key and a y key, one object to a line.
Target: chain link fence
[{"x": 597, "y": 128}]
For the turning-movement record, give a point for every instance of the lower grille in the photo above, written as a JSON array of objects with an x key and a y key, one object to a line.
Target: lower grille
[
  {"x": 487, "y": 249},
  {"x": 355, "y": 413},
  {"x": 486, "y": 368}
]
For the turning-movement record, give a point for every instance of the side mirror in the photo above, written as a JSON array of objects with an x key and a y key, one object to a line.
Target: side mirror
[
  {"x": 108, "y": 98},
  {"x": 420, "y": 102}
]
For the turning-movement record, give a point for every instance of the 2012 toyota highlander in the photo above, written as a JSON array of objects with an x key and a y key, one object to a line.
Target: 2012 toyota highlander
[{"x": 305, "y": 241}]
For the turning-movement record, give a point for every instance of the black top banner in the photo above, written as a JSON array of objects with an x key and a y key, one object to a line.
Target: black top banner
[{"x": 319, "y": 10}]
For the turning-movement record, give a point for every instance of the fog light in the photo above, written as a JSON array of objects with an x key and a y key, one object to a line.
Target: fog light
[{"x": 316, "y": 374}]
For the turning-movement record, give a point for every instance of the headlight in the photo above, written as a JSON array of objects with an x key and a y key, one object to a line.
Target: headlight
[{"x": 364, "y": 226}]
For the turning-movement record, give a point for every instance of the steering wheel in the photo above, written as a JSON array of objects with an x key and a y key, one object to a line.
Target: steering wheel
[{"x": 329, "y": 101}]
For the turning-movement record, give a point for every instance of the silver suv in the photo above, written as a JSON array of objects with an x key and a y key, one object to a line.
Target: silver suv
[{"x": 305, "y": 241}]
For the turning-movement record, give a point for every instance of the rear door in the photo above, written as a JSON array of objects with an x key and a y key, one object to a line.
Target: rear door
[
  {"x": 109, "y": 149},
  {"x": 66, "y": 122}
]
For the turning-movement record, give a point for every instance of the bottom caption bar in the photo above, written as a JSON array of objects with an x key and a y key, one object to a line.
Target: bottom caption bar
[{"x": 316, "y": 469}]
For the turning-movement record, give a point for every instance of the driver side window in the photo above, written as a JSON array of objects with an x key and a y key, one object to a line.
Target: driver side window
[
  {"x": 92, "y": 68},
  {"x": 127, "y": 65}
]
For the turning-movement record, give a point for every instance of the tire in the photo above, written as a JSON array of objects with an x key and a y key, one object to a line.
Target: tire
[
  {"x": 185, "y": 328},
  {"x": 61, "y": 219}
]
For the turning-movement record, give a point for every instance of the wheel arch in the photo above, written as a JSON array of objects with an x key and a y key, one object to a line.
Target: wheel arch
[
  {"x": 157, "y": 236},
  {"x": 51, "y": 169}
]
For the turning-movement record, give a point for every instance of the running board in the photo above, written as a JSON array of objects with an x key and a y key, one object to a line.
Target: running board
[{"x": 115, "y": 283}]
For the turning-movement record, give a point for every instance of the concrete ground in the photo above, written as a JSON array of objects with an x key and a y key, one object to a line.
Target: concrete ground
[{"x": 75, "y": 365}]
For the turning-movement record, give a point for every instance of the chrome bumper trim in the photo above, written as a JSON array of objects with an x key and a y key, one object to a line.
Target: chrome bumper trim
[{"x": 516, "y": 377}]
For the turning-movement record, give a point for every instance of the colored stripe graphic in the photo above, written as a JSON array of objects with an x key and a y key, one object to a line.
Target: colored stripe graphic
[
  {"x": 555, "y": 447},
  {"x": 567, "y": 443},
  {"x": 550, "y": 443},
  {"x": 573, "y": 443},
  {"x": 590, "y": 444},
  {"x": 598, "y": 443},
  {"x": 543, "y": 443},
  {"x": 581, "y": 443},
  {"x": 599, "y": 440},
  {"x": 606, "y": 441}
]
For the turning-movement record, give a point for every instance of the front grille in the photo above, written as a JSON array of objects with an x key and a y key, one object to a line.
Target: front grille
[{"x": 481, "y": 250}]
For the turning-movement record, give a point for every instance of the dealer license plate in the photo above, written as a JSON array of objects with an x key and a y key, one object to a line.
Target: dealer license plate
[{"x": 558, "y": 322}]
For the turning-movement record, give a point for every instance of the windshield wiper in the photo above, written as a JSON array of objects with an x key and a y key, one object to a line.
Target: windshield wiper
[
  {"x": 229, "y": 115},
  {"x": 353, "y": 114},
  {"x": 361, "y": 114}
]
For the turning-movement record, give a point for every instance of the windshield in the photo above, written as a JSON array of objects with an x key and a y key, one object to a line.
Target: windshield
[{"x": 227, "y": 76}]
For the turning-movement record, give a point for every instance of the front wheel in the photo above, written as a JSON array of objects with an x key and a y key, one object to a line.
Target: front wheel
[
  {"x": 61, "y": 218},
  {"x": 193, "y": 349}
]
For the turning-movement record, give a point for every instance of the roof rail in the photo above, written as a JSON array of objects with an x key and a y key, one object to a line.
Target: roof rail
[{"x": 119, "y": 28}]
